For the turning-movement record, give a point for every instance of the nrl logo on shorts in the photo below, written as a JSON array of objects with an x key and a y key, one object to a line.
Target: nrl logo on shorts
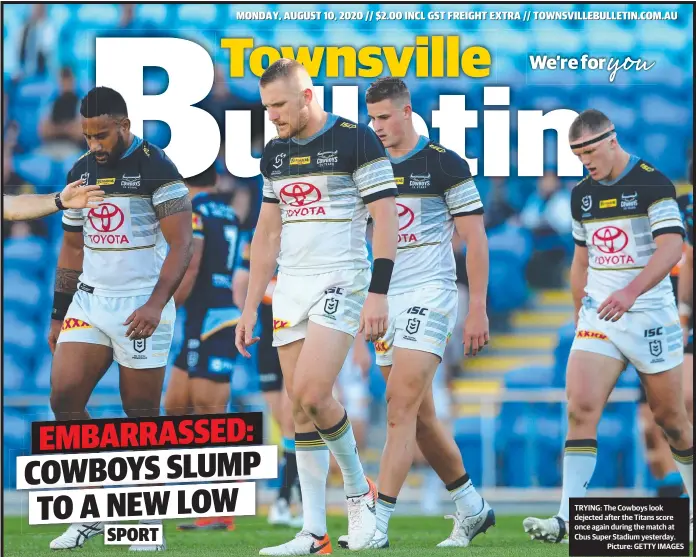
[
  {"x": 139, "y": 345},
  {"x": 655, "y": 347},
  {"x": 325, "y": 158},
  {"x": 330, "y": 306},
  {"x": 586, "y": 203},
  {"x": 412, "y": 326},
  {"x": 419, "y": 180}
]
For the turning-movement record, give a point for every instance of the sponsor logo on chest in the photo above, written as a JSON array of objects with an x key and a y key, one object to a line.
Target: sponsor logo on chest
[
  {"x": 107, "y": 225},
  {"x": 407, "y": 230},
  {"x": 611, "y": 243},
  {"x": 327, "y": 158},
  {"x": 419, "y": 181},
  {"x": 629, "y": 201},
  {"x": 130, "y": 182}
]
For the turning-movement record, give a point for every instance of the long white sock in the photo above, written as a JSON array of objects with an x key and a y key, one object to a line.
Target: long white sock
[
  {"x": 579, "y": 461},
  {"x": 465, "y": 496},
  {"x": 313, "y": 469},
  {"x": 341, "y": 443},
  {"x": 685, "y": 464},
  {"x": 385, "y": 508}
]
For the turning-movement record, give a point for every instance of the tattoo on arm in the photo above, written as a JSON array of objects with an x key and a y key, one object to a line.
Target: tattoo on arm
[
  {"x": 66, "y": 280},
  {"x": 172, "y": 207}
]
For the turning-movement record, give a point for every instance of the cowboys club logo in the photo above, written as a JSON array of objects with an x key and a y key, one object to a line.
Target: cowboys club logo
[
  {"x": 107, "y": 217},
  {"x": 325, "y": 158},
  {"x": 629, "y": 201},
  {"x": 419, "y": 180},
  {"x": 330, "y": 306},
  {"x": 610, "y": 239},
  {"x": 655, "y": 347},
  {"x": 586, "y": 203},
  {"x": 279, "y": 160},
  {"x": 406, "y": 216},
  {"x": 300, "y": 194},
  {"x": 412, "y": 326}
]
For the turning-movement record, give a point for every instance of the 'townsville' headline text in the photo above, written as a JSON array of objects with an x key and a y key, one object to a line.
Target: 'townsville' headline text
[{"x": 195, "y": 136}]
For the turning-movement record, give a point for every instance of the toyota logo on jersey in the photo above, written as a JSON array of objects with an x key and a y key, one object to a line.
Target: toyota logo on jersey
[
  {"x": 299, "y": 196},
  {"x": 611, "y": 241},
  {"x": 106, "y": 219},
  {"x": 406, "y": 218}
]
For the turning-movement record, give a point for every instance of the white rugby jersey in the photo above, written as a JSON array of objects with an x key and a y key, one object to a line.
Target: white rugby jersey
[
  {"x": 124, "y": 246},
  {"x": 435, "y": 185},
  {"x": 323, "y": 184},
  {"x": 618, "y": 222}
]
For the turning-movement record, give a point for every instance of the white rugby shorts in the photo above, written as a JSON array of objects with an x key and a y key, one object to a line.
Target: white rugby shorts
[
  {"x": 99, "y": 320},
  {"x": 420, "y": 320},
  {"x": 650, "y": 340},
  {"x": 333, "y": 300}
]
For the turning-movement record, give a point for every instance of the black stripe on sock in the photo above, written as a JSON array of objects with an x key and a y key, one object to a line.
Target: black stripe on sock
[
  {"x": 309, "y": 436},
  {"x": 581, "y": 444},
  {"x": 458, "y": 483},
  {"x": 334, "y": 429},
  {"x": 686, "y": 454},
  {"x": 386, "y": 498}
]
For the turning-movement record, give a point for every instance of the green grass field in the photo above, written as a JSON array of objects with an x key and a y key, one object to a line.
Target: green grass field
[{"x": 409, "y": 536}]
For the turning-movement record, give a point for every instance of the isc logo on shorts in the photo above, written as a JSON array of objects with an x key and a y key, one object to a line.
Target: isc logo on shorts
[
  {"x": 591, "y": 335},
  {"x": 71, "y": 324},
  {"x": 280, "y": 324}
]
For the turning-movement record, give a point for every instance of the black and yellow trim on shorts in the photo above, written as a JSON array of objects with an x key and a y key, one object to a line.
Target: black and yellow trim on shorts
[
  {"x": 578, "y": 447},
  {"x": 683, "y": 457},
  {"x": 310, "y": 441}
]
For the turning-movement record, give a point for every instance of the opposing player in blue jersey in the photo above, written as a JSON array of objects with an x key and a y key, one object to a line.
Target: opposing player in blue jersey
[{"x": 200, "y": 379}]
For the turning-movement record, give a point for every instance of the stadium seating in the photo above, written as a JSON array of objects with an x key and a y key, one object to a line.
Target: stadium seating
[{"x": 650, "y": 108}]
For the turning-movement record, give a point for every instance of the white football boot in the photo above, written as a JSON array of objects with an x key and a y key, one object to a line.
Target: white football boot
[
  {"x": 549, "y": 530},
  {"x": 77, "y": 534},
  {"x": 466, "y": 528}
]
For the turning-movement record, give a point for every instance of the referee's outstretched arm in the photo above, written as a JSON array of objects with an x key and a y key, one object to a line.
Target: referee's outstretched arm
[{"x": 35, "y": 206}]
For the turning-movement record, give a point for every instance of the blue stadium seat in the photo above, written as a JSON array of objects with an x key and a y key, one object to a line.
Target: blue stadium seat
[
  {"x": 614, "y": 451},
  {"x": 35, "y": 169},
  {"x": 41, "y": 380},
  {"x": 16, "y": 442},
  {"x": 20, "y": 334},
  {"x": 467, "y": 434},
  {"x": 14, "y": 369},
  {"x": 26, "y": 255},
  {"x": 198, "y": 15},
  {"x": 566, "y": 335},
  {"x": 22, "y": 295},
  {"x": 158, "y": 15},
  {"x": 108, "y": 15}
]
